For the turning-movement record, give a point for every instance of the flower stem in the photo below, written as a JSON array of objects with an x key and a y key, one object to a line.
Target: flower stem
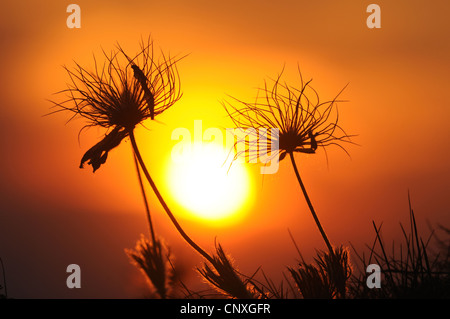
[
  {"x": 144, "y": 196},
  {"x": 163, "y": 203},
  {"x": 311, "y": 208}
]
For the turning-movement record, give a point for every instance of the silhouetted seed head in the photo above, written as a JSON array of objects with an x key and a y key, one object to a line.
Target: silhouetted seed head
[
  {"x": 120, "y": 94},
  {"x": 304, "y": 122},
  {"x": 327, "y": 278},
  {"x": 153, "y": 260},
  {"x": 223, "y": 276}
]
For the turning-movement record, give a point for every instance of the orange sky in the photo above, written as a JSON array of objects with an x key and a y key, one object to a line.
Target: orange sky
[{"x": 54, "y": 214}]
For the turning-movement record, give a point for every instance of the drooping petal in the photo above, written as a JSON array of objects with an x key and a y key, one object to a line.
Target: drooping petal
[{"x": 97, "y": 154}]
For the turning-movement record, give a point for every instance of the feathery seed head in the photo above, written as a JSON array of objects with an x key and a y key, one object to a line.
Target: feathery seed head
[
  {"x": 120, "y": 94},
  {"x": 304, "y": 121}
]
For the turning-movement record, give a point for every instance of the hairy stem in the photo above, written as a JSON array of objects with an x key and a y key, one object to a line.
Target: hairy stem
[
  {"x": 163, "y": 203},
  {"x": 311, "y": 208},
  {"x": 144, "y": 196}
]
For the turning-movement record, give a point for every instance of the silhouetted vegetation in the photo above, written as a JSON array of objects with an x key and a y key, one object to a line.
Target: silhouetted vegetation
[
  {"x": 410, "y": 269},
  {"x": 124, "y": 91}
]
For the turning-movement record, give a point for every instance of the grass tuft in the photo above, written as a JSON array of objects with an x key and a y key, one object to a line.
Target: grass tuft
[{"x": 409, "y": 270}]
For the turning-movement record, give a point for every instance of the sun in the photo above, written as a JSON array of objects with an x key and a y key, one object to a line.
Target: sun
[{"x": 208, "y": 185}]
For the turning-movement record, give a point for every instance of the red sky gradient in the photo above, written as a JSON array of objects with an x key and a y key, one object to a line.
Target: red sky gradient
[{"x": 54, "y": 214}]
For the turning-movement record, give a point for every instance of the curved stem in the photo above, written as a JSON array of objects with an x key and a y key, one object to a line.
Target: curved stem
[
  {"x": 311, "y": 208},
  {"x": 144, "y": 196},
  {"x": 163, "y": 203}
]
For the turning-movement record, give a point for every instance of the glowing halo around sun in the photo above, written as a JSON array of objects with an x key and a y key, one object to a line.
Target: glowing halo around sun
[{"x": 207, "y": 186}]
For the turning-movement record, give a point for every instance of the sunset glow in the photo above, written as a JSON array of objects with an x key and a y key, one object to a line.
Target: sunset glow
[
  {"x": 208, "y": 184},
  {"x": 99, "y": 96}
]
